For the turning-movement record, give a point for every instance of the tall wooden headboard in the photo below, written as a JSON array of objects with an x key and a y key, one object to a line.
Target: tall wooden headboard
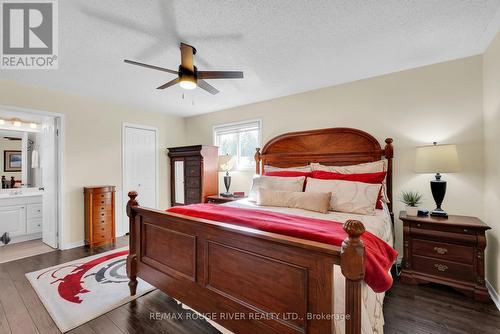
[{"x": 334, "y": 147}]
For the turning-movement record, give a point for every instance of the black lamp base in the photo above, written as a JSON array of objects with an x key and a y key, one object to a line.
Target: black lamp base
[
  {"x": 438, "y": 188},
  {"x": 227, "y": 184}
]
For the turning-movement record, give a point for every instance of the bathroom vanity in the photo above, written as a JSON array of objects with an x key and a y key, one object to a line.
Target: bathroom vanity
[{"x": 21, "y": 213}]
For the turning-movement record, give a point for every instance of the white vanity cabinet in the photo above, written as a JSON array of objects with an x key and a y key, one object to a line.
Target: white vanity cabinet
[
  {"x": 21, "y": 217},
  {"x": 13, "y": 220}
]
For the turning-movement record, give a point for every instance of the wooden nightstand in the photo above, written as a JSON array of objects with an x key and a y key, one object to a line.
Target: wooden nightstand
[
  {"x": 221, "y": 199},
  {"x": 449, "y": 251}
]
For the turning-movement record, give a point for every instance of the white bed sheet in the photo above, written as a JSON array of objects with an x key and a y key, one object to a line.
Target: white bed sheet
[{"x": 380, "y": 225}]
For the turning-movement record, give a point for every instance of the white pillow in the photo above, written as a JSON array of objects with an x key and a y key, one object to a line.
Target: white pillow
[
  {"x": 347, "y": 196},
  {"x": 276, "y": 183},
  {"x": 305, "y": 169},
  {"x": 369, "y": 167}
]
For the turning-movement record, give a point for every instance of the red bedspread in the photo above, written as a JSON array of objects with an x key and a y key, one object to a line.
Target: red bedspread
[{"x": 379, "y": 256}]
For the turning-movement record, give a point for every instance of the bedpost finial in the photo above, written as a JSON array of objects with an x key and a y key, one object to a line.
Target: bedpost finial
[
  {"x": 132, "y": 194},
  {"x": 352, "y": 252},
  {"x": 389, "y": 149},
  {"x": 131, "y": 202},
  {"x": 257, "y": 160},
  {"x": 354, "y": 228}
]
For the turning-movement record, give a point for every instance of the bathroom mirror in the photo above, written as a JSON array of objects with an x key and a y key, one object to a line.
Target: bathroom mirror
[{"x": 17, "y": 167}]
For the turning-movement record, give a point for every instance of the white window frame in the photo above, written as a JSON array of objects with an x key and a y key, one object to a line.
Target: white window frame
[{"x": 242, "y": 124}]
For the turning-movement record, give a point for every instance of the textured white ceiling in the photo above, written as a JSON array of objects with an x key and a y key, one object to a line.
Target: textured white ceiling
[{"x": 284, "y": 47}]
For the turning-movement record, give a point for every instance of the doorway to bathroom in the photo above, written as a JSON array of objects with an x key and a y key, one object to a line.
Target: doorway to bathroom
[{"x": 31, "y": 182}]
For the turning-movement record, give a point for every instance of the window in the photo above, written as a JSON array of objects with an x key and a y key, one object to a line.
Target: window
[{"x": 239, "y": 140}]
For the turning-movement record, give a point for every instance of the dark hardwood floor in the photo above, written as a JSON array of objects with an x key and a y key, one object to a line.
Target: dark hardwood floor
[
  {"x": 432, "y": 308},
  {"x": 407, "y": 309}
]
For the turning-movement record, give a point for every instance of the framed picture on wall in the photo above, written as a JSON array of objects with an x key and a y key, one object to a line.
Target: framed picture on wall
[{"x": 12, "y": 161}]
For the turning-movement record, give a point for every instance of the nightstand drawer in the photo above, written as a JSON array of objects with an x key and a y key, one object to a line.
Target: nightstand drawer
[
  {"x": 440, "y": 250},
  {"x": 447, "y": 229},
  {"x": 443, "y": 268}
]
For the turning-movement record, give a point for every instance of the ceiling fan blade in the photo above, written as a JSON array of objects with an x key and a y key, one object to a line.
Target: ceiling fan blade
[
  {"x": 187, "y": 52},
  {"x": 220, "y": 74},
  {"x": 206, "y": 86},
  {"x": 151, "y": 66},
  {"x": 168, "y": 84}
]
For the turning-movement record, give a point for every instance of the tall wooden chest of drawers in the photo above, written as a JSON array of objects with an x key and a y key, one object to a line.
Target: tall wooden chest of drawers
[
  {"x": 448, "y": 251},
  {"x": 194, "y": 173},
  {"x": 99, "y": 215}
]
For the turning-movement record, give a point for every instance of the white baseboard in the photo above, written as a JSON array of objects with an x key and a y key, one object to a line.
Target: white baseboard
[
  {"x": 70, "y": 245},
  {"x": 493, "y": 294}
]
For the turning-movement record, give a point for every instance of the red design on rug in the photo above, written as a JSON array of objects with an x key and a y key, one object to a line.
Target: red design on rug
[
  {"x": 71, "y": 284},
  {"x": 379, "y": 255}
]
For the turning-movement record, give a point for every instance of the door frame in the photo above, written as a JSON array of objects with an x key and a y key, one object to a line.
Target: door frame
[
  {"x": 124, "y": 196},
  {"x": 60, "y": 123}
]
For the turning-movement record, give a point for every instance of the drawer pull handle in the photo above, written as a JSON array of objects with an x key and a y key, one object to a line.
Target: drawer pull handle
[
  {"x": 441, "y": 250},
  {"x": 465, "y": 230},
  {"x": 419, "y": 225},
  {"x": 441, "y": 267}
]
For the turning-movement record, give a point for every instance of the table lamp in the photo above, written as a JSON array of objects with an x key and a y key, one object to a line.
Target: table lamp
[
  {"x": 437, "y": 159},
  {"x": 226, "y": 163}
]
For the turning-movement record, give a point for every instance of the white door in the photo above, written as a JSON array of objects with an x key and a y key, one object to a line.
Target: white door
[
  {"x": 48, "y": 166},
  {"x": 139, "y": 167}
]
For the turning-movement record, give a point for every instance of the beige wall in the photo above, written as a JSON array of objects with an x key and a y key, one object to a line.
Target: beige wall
[
  {"x": 442, "y": 102},
  {"x": 93, "y": 139},
  {"x": 491, "y": 74},
  {"x": 7, "y": 145}
]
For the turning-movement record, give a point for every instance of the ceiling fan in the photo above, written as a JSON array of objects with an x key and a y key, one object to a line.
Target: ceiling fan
[{"x": 188, "y": 76}]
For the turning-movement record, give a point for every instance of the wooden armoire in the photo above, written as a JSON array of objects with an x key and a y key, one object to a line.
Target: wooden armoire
[{"x": 194, "y": 173}]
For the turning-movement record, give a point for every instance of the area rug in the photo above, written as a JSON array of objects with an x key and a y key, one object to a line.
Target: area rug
[{"x": 78, "y": 291}]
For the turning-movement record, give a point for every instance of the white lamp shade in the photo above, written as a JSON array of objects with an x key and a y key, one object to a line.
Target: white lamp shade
[
  {"x": 226, "y": 162},
  {"x": 437, "y": 159}
]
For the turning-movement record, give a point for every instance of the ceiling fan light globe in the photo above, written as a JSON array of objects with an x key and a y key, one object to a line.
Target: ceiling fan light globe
[{"x": 187, "y": 84}]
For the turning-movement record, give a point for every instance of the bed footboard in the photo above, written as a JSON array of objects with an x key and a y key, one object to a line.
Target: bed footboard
[{"x": 246, "y": 280}]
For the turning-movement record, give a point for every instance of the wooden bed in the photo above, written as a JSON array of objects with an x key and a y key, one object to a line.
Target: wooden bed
[{"x": 229, "y": 272}]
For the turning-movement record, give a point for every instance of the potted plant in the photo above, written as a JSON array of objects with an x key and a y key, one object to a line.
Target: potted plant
[{"x": 412, "y": 199}]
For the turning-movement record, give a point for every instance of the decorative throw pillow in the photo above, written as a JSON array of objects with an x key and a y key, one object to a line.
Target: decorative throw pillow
[
  {"x": 287, "y": 173},
  {"x": 369, "y": 167},
  {"x": 276, "y": 183},
  {"x": 305, "y": 169},
  {"x": 373, "y": 178},
  {"x": 319, "y": 202},
  {"x": 348, "y": 196}
]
